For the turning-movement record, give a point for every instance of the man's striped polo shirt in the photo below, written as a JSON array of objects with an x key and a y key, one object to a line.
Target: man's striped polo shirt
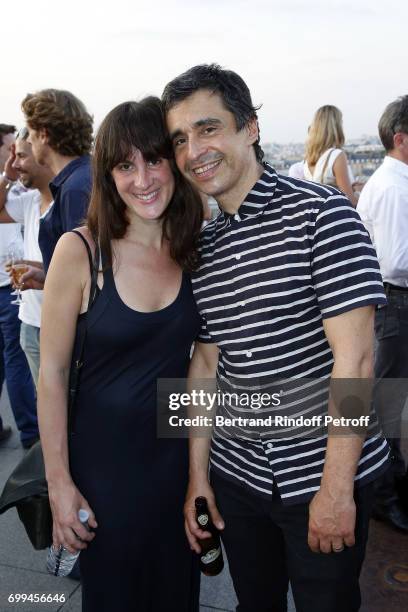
[{"x": 294, "y": 254}]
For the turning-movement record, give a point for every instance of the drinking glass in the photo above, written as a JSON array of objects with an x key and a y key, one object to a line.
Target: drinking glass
[{"x": 15, "y": 255}]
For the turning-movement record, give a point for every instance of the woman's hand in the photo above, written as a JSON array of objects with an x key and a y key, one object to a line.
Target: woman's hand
[{"x": 68, "y": 531}]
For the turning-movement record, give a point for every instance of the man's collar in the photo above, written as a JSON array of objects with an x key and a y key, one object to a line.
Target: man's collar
[
  {"x": 259, "y": 196},
  {"x": 397, "y": 165},
  {"x": 62, "y": 176}
]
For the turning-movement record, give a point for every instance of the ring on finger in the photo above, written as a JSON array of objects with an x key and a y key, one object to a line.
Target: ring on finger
[{"x": 337, "y": 550}]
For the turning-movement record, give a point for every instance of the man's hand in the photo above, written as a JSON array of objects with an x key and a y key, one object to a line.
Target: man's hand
[
  {"x": 332, "y": 511},
  {"x": 197, "y": 488},
  {"x": 33, "y": 279},
  {"x": 11, "y": 172},
  {"x": 358, "y": 186},
  {"x": 332, "y": 519}
]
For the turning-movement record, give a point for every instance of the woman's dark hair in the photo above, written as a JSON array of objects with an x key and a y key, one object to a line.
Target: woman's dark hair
[
  {"x": 229, "y": 85},
  {"x": 140, "y": 125}
]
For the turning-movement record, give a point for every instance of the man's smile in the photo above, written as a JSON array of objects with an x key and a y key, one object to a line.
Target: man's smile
[{"x": 206, "y": 170}]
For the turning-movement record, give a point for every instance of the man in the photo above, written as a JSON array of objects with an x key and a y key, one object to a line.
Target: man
[
  {"x": 286, "y": 286},
  {"x": 383, "y": 207},
  {"x": 27, "y": 210},
  {"x": 7, "y": 139},
  {"x": 13, "y": 363},
  {"x": 60, "y": 133}
]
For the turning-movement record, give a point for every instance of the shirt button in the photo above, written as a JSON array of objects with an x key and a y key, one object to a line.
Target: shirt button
[
  {"x": 242, "y": 304},
  {"x": 238, "y": 256},
  {"x": 237, "y": 217},
  {"x": 269, "y": 445},
  {"x": 249, "y": 354}
]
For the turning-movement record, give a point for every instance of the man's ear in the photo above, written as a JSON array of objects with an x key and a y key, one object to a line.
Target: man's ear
[
  {"x": 399, "y": 139},
  {"x": 43, "y": 135},
  {"x": 252, "y": 130}
]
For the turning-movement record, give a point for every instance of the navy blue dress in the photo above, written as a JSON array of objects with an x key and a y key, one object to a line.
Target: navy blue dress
[{"x": 134, "y": 482}]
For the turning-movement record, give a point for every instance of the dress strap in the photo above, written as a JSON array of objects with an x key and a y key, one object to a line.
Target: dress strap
[
  {"x": 108, "y": 280},
  {"x": 109, "y": 285},
  {"x": 88, "y": 248}
]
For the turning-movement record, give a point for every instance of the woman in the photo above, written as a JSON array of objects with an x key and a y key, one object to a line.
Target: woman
[
  {"x": 325, "y": 160},
  {"x": 140, "y": 328}
]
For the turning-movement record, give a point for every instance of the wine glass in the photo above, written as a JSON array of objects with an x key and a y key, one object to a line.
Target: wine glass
[
  {"x": 17, "y": 270},
  {"x": 9, "y": 258},
  {"x": 15, "y": 257}
]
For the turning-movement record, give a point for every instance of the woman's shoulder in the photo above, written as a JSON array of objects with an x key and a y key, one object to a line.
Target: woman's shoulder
[
  {"x": 82, "y": 235},
  {"x": 334, "y": 153},
  {"x": 331, "y": 152},
  {"x": 70, "y": 261},
  {"x": 73, "y": 246},
  {"x": 329, "y": 157},
  {"x": 339, "y": 156}
]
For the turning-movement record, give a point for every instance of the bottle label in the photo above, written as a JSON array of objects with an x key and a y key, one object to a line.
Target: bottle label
[
  {"x": 211, "y": 556},
  {"x": 203, "y": 519}
]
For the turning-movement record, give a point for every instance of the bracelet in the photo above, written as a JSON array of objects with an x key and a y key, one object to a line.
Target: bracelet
[
  {"x": 10, "y": 182},
  {"x": 4, "y": 175}
]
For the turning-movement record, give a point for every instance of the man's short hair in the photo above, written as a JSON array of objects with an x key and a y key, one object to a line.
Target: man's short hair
[
  {"x": 5, "y": 129},
  {"x": 232, "y": 89},
  {"x": 64, "y": 117},
  {"x": 394, "y": 119}
]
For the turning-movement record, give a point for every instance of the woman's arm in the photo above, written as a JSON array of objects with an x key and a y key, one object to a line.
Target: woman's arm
[
  {"x": 65, "y": 289},
  {"x": 340, "y": 171}
]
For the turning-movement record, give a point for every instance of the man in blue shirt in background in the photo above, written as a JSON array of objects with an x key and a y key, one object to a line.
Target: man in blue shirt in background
[{"x": 60, "y": 132}]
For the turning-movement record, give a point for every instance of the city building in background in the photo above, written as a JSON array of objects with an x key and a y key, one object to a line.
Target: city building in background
[{"x": 364, "y": 155}]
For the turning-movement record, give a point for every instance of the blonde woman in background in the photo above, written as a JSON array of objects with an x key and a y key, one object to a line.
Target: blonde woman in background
[{"x": 325, "y": 161}]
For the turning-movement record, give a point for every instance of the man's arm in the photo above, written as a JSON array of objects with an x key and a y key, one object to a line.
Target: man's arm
[
  {"x": 332, "y": 511},
  {"x": 203, "y": 365}
]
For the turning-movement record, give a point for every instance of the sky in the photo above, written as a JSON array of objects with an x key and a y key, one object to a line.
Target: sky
[{"x": 295, "y": 55}]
